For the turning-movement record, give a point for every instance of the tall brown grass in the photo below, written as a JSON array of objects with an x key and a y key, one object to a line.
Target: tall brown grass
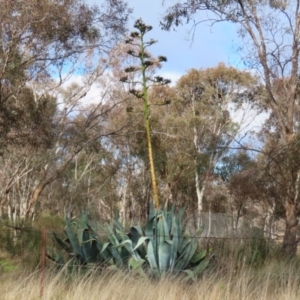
[
  {"x": 249, "y": 269},
  {"x": 224, "y": 281}
]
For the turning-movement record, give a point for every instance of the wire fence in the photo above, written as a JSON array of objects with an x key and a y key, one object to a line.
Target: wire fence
[{"x": 31, "y": 245}]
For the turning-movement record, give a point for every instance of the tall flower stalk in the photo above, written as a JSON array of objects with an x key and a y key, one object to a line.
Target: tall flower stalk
[{"x": 136, "y": 39}]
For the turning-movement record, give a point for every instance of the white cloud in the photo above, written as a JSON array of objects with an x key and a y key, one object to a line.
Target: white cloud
[
  {"x": 173, "y": 76},
  {"x": 250, "y": 121}
]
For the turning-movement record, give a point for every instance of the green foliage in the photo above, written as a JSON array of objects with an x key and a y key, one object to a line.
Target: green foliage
[
  {"x": 162, "y": 247},
  {"x": 8, "y": 265},
  {"x": 22, "y": 244},
  {"x": 257, "y": 250},
  {"x": 254, "y": 251},
  {"x": 82, "y": 245}
]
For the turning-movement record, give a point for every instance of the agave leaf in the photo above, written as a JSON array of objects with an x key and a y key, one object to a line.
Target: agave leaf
[
  {"x": 183, "y": 242},
  {"x": 84, "y": 221},
  {"x": 137, "y": 267},
  {"x": 82, "y": 225},
  {"x": 127, "y": 250},
  {"x": 190, "y": 275},
  {"x": 151, "y": 257},
  {"x": 198, "y": 256},
  {"x": 56, "y": 258},
  {"x": 92, "y": 231},
  {"x": 104, "y": 252},
  {"x": 169, "y": 218},
  {"x": 125, "y": 243},
  {"x": 135, "y": 263},
  {"x": 94, "y": 251},
  {"x": 135, "y": 233},
  {"x": 180, "y": 215},
  {"x": 83, "y": 244},
  {"x": 186, "y": 256},
  {"x": 193, "y": 248},
  {"x": 152, "y": 212},
  {"x": 73, "y": 240},
  {"x": 151, "y": 233},
  {"x": 175, "y": 243},
  {"x": 112, "y": 236},
  {"x": 128, "y": 245},
  {"x": 119, "y": 254},
  {"x": 117, "y": 223},
  {"x": 164, "y": 251},
  {"x": 180, "y": 225},
  {"x": 114, "y": 253},
  {"x": 149, "y": 230},
  {"x": 122, "y": 235},
  {"x": 63, "y": 245},
  {"x": 156, "y": 238},
  {"x": 105, "y": 246},
  {"x": 93, "y": 226},
  {"x": 167, "y": 228},
  {"x": 142, "y": 240},
  {"x": 160, "y": 230},
  {"x": 72, "y": 265},
  {"x": 86, "y": 245},
  {"x": 200, "y": 267}
]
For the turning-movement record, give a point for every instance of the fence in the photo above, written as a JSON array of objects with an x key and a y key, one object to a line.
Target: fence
[{"x": 30, "y": 245}]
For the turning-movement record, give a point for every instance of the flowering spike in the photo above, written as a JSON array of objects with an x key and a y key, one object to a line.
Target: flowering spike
[
  {"x": 130, "y": 69},
  {"x": 162, "y": 58},
  {"x": 134, "y": 34},
  {"x": 124, "y": 79}
]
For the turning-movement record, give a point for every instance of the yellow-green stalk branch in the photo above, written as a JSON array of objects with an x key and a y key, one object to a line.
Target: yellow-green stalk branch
[
  {"x": 145, "y": 62},
  {"x": 147, "y": 125}
]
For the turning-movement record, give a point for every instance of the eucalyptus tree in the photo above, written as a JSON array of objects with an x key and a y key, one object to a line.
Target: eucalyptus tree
[
  {"x": 43, "y": 43},
  {"x": 44, "y": 46},
  {"x": 210, "y": 97},
  {"x": 270, "y": 31}
]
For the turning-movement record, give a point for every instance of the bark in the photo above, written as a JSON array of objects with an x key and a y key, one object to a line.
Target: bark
[
  {"x": 289, "y": 245},
  {"x": 209, "y": 222},
  {"x": 34, "y": 199},
  {"x": 123, "y": 209},
  {"x": 200, "y": 196}
]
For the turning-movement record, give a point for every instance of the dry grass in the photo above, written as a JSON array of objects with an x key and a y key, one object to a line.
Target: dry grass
[{"x": 273, "y": 281}]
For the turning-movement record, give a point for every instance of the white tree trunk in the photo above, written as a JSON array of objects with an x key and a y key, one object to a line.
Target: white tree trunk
[
  {"x": 123, "y": 210},
  {"x": 209, "y": 223},
  {"x": 200, "y": 195}
]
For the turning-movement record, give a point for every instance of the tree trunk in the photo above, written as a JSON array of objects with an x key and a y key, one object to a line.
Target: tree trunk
[
  {"x": 123, "y": 210},
  {"x": 289, "y": 246},
  {"x": 200, "y": 196},
  {"x": 33, "y": 199}
]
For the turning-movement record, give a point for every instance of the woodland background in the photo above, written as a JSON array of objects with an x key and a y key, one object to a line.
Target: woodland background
[{"x": 60, "y": 155}]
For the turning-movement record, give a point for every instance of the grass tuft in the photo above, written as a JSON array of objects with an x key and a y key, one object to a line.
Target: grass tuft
[{"x": 275, "y": 280}]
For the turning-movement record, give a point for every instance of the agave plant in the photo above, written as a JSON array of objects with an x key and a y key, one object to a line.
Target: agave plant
[
  {"x": 163, "y": 246},
  {"x": 83, "y": 245}
]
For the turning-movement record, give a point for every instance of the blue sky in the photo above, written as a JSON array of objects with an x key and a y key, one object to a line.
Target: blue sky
[{"x": 210, "y": 46}]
